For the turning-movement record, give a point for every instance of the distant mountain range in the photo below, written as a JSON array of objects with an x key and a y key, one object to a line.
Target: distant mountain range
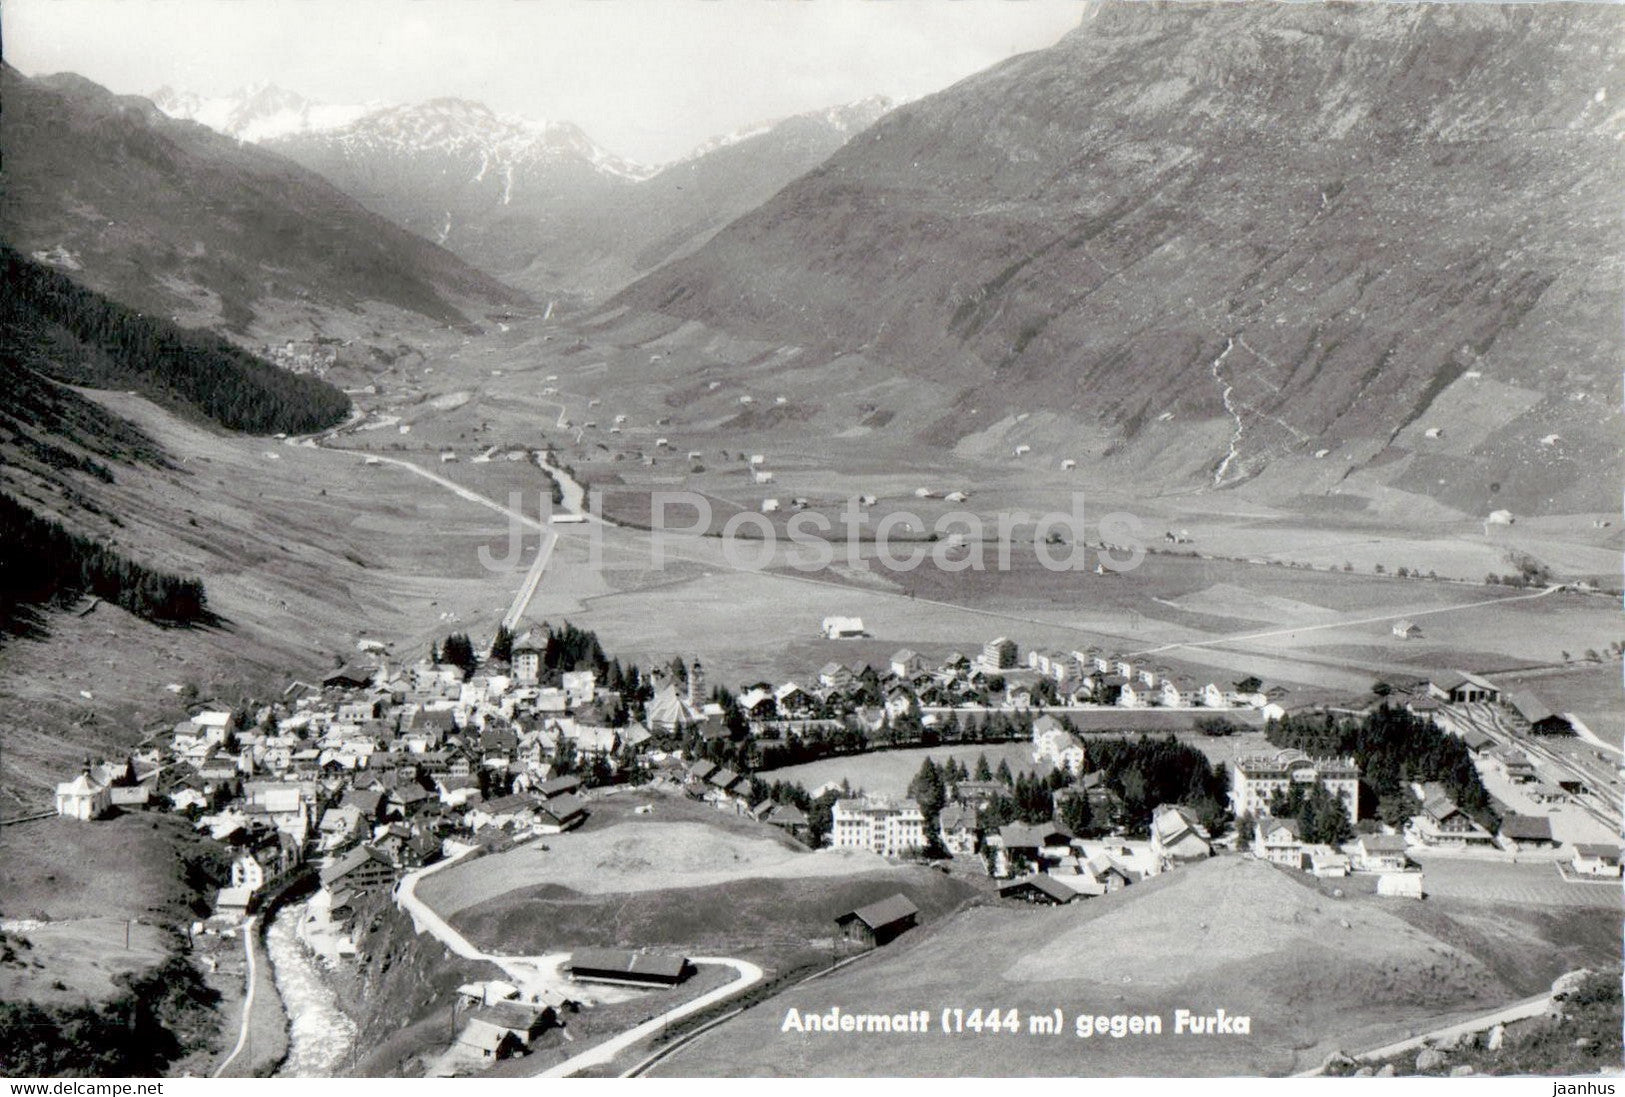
[
  {"x": 1321, "y": 244},
  {"x": 177, "y": 219},
  {"x": 537, "y": 203}
]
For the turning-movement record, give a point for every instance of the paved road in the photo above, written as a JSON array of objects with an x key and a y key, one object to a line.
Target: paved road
[
  {"x": 251, "y": 986},
  {"x": 1408, "y": 615},
  {"x": 749, "y": 974}
]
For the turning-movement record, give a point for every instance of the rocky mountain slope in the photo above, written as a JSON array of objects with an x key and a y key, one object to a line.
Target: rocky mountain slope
[
  {"x": 1342, "y": 240},
  {"x": 540, "y": 203},
  {"x": 172, "y": 217}
]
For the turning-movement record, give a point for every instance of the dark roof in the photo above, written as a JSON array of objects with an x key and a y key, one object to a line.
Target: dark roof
[
  {"x": 1527, "y": 828},
  {"x": 788, "y": 815},
  {"x": 349, "y": 862},
  {"x": 887, "y": 912},
  {"x": 658, "y": 964},
  {"x": 563, "y": 807},
  {"x": 556, "y": 785},
  {"x": 1597, "y": 849},
  {"x": 1046, "y": 884}
]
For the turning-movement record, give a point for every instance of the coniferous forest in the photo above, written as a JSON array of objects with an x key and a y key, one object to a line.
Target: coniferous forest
[
  {"x": 42, "y": 564},
  {"x": 76, "y": 335}
]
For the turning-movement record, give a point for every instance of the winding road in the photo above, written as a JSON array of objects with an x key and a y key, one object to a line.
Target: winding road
[{"x": 534, "y": 972}]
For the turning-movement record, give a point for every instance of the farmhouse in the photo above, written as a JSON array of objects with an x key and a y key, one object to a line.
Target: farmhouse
[
  {"x": 643, "y": 969},
  {"x": 879, "y": 923},
  {"x": 560, "y": 814},
  {"x": 502, "y": 1029}
]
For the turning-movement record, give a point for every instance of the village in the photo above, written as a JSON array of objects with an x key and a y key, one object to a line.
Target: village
[{"x": 385, "y": 769}]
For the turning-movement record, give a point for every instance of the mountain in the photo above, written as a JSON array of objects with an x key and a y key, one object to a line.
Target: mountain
[
  {"x": 174, "y": 218},
  {"x": 1314, "y": 244},
  {"x": 539, "y": 202},
  {"x": 257, "y": 114}
]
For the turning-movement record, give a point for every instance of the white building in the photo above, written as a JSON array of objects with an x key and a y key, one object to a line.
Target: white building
[
  {"x": 836, "y": 628},
  {"x": 881, "y": 826},
  {"x": 1255, "y": 781},
  {"x": 83, "y": 798}
]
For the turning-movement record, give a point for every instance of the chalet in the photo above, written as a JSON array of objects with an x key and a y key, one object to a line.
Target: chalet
[
  {"x": 789, "y": 818},
  {"x": 557, "y": 786},
  {"x": 1325, "y": 862},
  {"x": 560, "y": 814},
  {"x": 1380, "y": 853},
  {"x": 1040, "y": 890},
  {"x": 518, "y": 809},
  {"x": 1443, "y": 823},
  {"x": 1459, "y": 688},
  {"x": 350, "y": 676},
  {"x": 906, "y": 663},
  {"x": 1596, "y": 859},
  {"x": 360, "y": 869},
  {"x": 1278, "y": 841},
  {"x": 1033, "y": 846},
  {"x": 702, "y": 770},
  {"x": 1178, "y": 835},
  {"x": 956, "y": 827},
  {"x": 1522, "y": 832},
  {"x": 1106, "y": 872},
  {"x": 879, "y": 923},
  {"x": 643, "y": 969}
]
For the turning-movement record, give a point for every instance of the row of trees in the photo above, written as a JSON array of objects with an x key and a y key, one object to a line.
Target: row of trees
[
  {"x": 43, "y": 564},
  {"x": 76, "y": 335}
]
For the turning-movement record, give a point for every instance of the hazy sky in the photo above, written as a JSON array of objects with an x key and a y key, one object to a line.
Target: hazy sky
[{"x": 647, "y": 79}]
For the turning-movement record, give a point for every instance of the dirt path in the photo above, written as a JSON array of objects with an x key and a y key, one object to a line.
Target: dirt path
[{"x": 250, "y": 988}]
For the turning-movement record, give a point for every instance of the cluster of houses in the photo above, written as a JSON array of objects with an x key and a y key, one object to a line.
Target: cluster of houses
[
  {"x": 373, "y": 772},
  {"x": 995, "y": 678}
]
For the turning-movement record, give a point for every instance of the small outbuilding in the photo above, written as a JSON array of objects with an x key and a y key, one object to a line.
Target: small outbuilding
[{"x": 879, "y": 923}]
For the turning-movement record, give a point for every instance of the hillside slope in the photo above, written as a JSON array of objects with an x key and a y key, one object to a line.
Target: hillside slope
[
  {"x": 1297, "y": 227},
  {"x": 1312, "y": 968},
  {"x": 176, "y": 219}
]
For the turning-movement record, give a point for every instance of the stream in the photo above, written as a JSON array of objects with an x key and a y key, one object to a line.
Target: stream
[{"x": 321, "y": 1037}]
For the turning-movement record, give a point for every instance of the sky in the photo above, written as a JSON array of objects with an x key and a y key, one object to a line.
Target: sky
[{"x": 646, "y": 79}]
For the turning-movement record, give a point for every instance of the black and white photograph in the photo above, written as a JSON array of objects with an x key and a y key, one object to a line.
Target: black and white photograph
[{"x": 811, "y": 539}]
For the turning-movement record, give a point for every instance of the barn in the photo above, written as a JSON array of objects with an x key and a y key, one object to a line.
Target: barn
[
  {"x": 879, "y": 923},
  {"x": 640, "y": 969}
]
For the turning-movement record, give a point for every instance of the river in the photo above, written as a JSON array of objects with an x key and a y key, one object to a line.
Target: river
[{"x": 321, "y": 1037}]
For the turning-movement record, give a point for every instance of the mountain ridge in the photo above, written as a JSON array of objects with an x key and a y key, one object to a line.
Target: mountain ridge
[{"x": 1215, "y": 214}]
